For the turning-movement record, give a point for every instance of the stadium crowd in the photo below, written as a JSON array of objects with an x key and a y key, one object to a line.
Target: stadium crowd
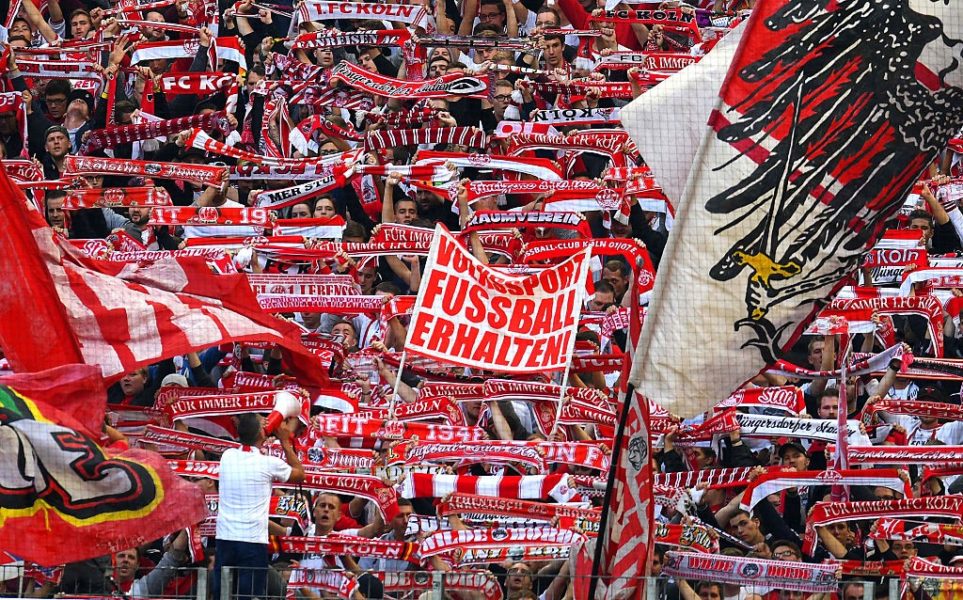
[{"x": 289, "y": 83}]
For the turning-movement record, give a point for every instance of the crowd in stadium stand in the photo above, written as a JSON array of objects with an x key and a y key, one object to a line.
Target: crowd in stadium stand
[{"x": 539, "y": 58}]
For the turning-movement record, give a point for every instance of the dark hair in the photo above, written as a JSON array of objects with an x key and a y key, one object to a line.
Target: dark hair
[
  {"x": 80, "y": 11},
  {"x": 124, "y": 107},
  {"x": 604, "y": 286},
  {"x": 830, "y": 391},
  {"x": 248, "y": 429},
  {"x": 616, "y": 265},
  {"x": 707, "y": 584},
  {"x": 557, "y": 37},
  {"x": 486, "y": 28},
  {"x": 549, "y": 9},
  {"x": 404, "y": 502},
  {"x": 57, "y": 86},
  {"x": 346, "y": 322},
  {"x": 791, "y": 545},
  {"x": 354, "y": 229},
  {"x": 388, "y": 288},
  {"x": 54, "y": 194},
  {"x": 921, "y": 214}
]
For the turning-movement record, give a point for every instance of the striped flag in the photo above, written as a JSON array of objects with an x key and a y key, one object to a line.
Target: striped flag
[{"x": 117, "y": 315}]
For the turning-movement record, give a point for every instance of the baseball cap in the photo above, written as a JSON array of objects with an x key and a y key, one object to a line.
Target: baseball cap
[
  {"x": 174, "y": 379},
  {"x": 54, "y": 129},
  {"x": 786, "y": 444}
]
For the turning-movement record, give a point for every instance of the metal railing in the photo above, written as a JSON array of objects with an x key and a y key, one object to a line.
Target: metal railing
[{"x": 191, "y": 583}]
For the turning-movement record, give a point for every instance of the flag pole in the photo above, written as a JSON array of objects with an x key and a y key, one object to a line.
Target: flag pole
[
  {"x": 561, "y": 396},
  {"x": 394, "y": 394}
]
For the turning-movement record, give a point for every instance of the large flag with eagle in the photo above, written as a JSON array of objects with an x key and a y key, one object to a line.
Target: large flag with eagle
[{"x": 829, "y": 113}]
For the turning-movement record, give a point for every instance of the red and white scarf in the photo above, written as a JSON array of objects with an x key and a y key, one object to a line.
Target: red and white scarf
[
  {"x": 355, "y": 426},
  {"x": 431, "y": 408},
  {"x": 406, "y": 118},
  {"x": 608, "y": 143},
  {"x": 919, "y": 567},
  {"x": 146, "y": 256},
  {"x": 470, "y": 582},
  {"x": 77, "y": 199},
  {"x": 906, "y": 455},
  {"x": 447, "y": 542},
  {"x": 324, "y": 580},
  {"x": 485, "y": 220},
  {"x": 486, "y": 189},
  {"x": 226, "y": 48},
  {"x": 455, "y": 84},
  {"x": 313, "y": 10},
  {"x": 465, "y": 453},
  {"x": 577, "y": 116},
  {"x": 461, "y": 503},
  {"x": 539, "y": 168},
  {"x": 59, "y": 69},
  {"x": 826, "y": 513},
  {"x": 210, "y": 216},
  {"x": 691, "y": 537},
  {"x": 341, "y": 305},
  {"x": 928, "y": 307},
  {"x": 21, "y": 170},
  {"x": 608, "y": 89},
  {"x": 456, "y": 391},
  {"x": 320, "y": 228},
  {"x": 289, "y": 196},
  {"x": 778, "y": 480},
  {"x": 929, "y": 533},
  {"x": 663, "y": 62},
  {"x": 714, "y": 478},
  {"x": 197, "y": 83},
  {"x": 395, "y": 138},
  {"x": 113, "y": 136},
  {"x": 348, "y": 545},
  {"x": 862, "y": 364},
  {"x": 773, "y": 574},
  {"x": 154, "y": 434},
  {"x": 321, "y": 285},
  {"x": 296, "y": 170},
  {"x": 788, "y": 398},
  {"x": 88, "y": 165},
  {"x": 522, "y": 487},
  {"x": 330, "y": 39},
  {"x": 224, "y": 404}
]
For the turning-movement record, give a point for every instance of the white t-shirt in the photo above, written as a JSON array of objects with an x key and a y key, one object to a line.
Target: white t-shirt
[{"x": 245, "y": 494}]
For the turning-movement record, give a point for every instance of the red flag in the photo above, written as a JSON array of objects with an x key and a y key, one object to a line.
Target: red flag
[
  {"x": 60, "y": 484},
  {"x": 117, "y": 315}
]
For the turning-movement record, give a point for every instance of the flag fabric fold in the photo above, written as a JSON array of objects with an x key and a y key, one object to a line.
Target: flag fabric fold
[
  {"x": 120, "y": 316},
  {"x": 61, "y": 484}
]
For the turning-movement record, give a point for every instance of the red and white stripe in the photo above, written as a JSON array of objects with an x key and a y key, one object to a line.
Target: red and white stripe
[{"x": 524, "y": 487}]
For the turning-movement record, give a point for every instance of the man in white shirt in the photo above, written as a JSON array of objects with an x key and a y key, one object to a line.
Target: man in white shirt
[{"x": 245, "y": 481}]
